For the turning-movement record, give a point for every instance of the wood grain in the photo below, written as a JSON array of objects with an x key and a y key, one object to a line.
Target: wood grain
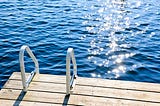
[{"x": 49, "y": 90}]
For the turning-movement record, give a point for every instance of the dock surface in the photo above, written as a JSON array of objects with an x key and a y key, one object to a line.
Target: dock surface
[{"x": 50, "y": 90}]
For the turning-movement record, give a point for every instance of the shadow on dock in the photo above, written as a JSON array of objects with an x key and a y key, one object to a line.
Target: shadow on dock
[
  {"x": 65, "y": 101},
  {"x": 88, "y": 92},
  {"x": 19, "y": 99}
]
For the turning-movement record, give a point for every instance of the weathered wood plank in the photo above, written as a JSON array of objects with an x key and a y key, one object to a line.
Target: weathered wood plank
[
  {"x": 88, "y": 90},
  {"x": 57, "y": 98},
  {"x": 96, "y": 82},
  {"x": 4, "y": 102},
  {"x": 39, "y": 86},
  {"x": 50, "y": 90},
  {"x": 41, "y": 77}
]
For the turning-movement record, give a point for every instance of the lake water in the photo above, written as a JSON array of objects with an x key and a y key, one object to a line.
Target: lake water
[{"x": 112, "y": 39}]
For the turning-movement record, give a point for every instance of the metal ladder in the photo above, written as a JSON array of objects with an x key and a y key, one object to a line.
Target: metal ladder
[{"x": 70, "y": 81}]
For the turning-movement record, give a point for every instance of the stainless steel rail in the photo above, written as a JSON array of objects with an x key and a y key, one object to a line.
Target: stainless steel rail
[
  {"x": 70, "y": 81},
  {"x": 25, "y": 82}
]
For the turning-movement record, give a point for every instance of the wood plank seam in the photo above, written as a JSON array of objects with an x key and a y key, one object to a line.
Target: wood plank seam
[
  {"x": 40, "y": 102},
  {"x": 94, "y": 86},
  {"x": 119, "y": 88},
  {"x": 90, "y": 95},
  {"x": 133, "y": 88},
  {"x": 140, "y": 93},
  {"x": 117, "y": 98},
  {"x": 39, "y": 81}
]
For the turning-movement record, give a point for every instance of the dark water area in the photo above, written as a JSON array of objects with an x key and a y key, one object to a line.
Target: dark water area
[{"x": 112, "y": 39}]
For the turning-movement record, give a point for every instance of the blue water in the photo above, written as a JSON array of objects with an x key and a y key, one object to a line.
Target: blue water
[{"x": 112, "y": 39}]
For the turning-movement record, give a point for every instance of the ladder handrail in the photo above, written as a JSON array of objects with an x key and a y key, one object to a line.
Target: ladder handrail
[
  {"x": 25, "y": 82},
  {"x": 70, "y": 80}
]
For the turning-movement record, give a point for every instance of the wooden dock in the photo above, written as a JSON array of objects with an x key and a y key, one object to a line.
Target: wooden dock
[{"x": 50, "y": 90}]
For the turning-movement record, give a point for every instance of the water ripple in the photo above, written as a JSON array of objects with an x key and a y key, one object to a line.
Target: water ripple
[{"x": 113, "y": 39}]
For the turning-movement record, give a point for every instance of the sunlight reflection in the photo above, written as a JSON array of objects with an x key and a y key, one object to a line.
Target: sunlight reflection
[
  {"x": 108, "y": 50},
  {"x": 119, "y": 70},
  {"x": 95, "y": 75},
  {"x": 101, "y": 10}
]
